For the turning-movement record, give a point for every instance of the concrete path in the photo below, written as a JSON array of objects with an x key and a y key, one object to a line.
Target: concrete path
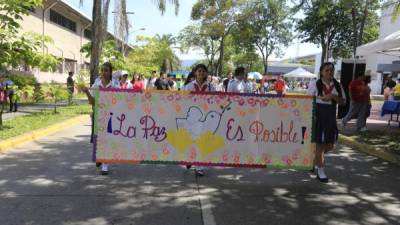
[{"x": 52, "y": 181}]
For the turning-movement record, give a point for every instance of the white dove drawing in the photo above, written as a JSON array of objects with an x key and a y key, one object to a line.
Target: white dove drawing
[{"x": 194, "y": 124}]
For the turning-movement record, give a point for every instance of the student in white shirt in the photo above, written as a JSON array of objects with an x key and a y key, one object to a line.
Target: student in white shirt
[
  {"x": 329, "y": 94},
  {"x": 150, "y": 83},
  {"x": 105, "y": 80},
  {"x": 200, "y": 84},
  {"x": 238, "y": 85},
  {"x": 124, "y": 83}
]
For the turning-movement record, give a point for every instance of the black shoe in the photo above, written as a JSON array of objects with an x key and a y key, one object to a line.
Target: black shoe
[
  {"x": 312, "y": 170},
  {"x": 323, "y": 180},
  {"x": 103, "y": 172},
  {"x": 199, "y": 172},
  {"x": 188, "y": 167},
  {"x": 98, "y": 165}
]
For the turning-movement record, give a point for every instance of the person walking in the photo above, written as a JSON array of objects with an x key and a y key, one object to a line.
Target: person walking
[
  {"x": 359, "y": 94},
  {"x": 200, "y": 84},
  {"x": 329, "y": 93},
  {"x": 70, "y": 87},
  {"x": 105, "y": 81}
]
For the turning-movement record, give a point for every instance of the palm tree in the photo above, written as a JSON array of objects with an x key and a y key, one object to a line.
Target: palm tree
[
  {"x": 99, "y": 26},
  {"x": 168, "y": 60}
]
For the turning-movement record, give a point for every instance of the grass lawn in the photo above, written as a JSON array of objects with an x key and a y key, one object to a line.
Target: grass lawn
[
  {"x": 387, "y": 141},
  {"x": 24, "y": 124}
]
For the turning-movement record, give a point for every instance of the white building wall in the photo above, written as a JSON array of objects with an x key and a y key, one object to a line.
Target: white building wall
[{"x": 67, "y": 44}]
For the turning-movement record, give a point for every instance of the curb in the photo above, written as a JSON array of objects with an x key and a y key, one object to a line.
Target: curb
[
  {"x": 370, "y": 150},
  {"x": 36, "y": 134}
]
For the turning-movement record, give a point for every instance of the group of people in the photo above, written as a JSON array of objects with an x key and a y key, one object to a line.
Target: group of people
[
  {"x": 391, "y": 90},
  {"x": 329, "y": 93}
]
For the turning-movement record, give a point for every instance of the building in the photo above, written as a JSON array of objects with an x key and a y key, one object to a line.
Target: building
[
  {"x": 380, "y": 64},
  {"x": 69, "y": 29}
]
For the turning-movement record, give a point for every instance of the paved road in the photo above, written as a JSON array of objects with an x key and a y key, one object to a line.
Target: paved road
[{"x": 52, "y": 181}]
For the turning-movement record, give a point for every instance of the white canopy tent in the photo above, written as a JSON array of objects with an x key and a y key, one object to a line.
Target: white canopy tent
[
  {"x": 389, "y": 45},
  {"x": 300, "y": 73}
]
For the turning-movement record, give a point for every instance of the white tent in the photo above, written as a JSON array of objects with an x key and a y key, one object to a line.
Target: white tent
[
  {"x": 300, "y": 73},
  {"x": 388, "y": 45}
]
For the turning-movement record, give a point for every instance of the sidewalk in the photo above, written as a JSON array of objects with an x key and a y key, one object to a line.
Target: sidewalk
[
  {"x": 37, "y": 107},
  {"x": 381, "y": 140}
]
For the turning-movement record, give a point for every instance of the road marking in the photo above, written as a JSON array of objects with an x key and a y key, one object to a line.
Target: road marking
[{"x": 205, "y": 207}]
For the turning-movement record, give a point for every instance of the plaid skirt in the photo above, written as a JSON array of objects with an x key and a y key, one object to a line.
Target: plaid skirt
[{"x": 326, "y": 126}]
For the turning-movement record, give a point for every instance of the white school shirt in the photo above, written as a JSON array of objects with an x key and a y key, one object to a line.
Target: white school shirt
[
  {"x": 237, "y": 86},
  {"x": 191, "y": 87},
  {"x": 313, "y": 91},
  {"x": 97, "y": 84},
  {"x": 150, "y": 83},
  {"x": 129, "y": 85}
]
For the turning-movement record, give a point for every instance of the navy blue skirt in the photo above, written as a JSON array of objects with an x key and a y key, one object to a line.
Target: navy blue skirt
[{"x": 326, "y": 127}]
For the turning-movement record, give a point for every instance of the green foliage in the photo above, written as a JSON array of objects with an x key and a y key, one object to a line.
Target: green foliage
[
  {"x": 109, "y": 53},
  {"x": 82, "y": 80},
  {"x": 265, "y": 25},
  {"x": 153, "y": 53},
  {"x": 56, "y": 92},
  {"x": 27, "y": 92},
  {"x": 38, "y": 94},
  {"x": 21, "y": 80}
]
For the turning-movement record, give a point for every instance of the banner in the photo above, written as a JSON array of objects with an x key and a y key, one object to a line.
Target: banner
[{"x": 213, "y": 129}]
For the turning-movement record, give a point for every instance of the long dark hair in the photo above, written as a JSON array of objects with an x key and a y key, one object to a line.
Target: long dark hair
[
  {"x": 321, "y": 68},
  {"x": 110, "y": 67},
  {"x": 188, "y": 78}
]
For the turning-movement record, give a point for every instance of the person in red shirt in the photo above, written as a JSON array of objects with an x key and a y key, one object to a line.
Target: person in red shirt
[
  {"x": 280, "y": 86},
  {"x": 137, "y": 83},
  {"x": 359, "y": 95}
]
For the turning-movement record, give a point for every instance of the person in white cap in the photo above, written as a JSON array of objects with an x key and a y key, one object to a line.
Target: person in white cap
[{"x": 124, "y": 83}]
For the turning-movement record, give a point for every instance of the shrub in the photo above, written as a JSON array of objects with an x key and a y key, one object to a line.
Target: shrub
[{"x": 21, "y": 80}]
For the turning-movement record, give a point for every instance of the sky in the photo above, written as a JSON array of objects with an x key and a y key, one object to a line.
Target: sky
[{"x": 146, "y": 15}]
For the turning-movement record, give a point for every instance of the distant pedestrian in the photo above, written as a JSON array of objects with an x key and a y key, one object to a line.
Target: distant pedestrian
[
  {"x": 70, "y": 86},
  {"x": 228, "y": 79},
  {"x": 359, "y": 94},
  {"x": 124, "y": 83},
  {"x": 328, "y": 94},
  {"x": 151, "y": 82}
]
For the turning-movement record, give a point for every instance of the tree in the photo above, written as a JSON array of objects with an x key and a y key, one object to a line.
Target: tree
[
  {"x": 167, "y": 59},
  {"x": 191, "y": 37},
  {"x": 217, "y": 19},
  {"x": 153, "y": 53},
  {"x": 99, "y": 28},
  {"x": 326, "y": 24},
  {"x": 109, "y": 53},
  {"x": 265, "y": 24},
  {"x": 56, "y": 92}
]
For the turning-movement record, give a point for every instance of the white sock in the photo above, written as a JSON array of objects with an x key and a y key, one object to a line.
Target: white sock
[
  {"x": 104, "y": 167},
  {"x": 321, "y": 173}
]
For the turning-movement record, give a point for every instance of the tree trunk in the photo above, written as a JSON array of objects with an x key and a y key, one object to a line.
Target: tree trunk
[
  {"x": 362, "y": 25},
  {"x": 324, "y": 50},
  {"x": 355, "y": 31},
  {"x": 221, "y": 58},
  {"x": 96, "y": 40}
]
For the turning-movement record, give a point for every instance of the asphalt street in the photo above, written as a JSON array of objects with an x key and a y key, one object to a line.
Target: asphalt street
[{"x": 52, "y": 181}]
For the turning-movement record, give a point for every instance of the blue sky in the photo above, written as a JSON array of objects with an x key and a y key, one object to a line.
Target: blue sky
[{"x": 147, "y": 15}]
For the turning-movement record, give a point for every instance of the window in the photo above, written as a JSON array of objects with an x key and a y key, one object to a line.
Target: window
[
  {"x": 88, "y": 34},
  {"x": 62, "y": 20},
  {"x": 69, "y": 65}
]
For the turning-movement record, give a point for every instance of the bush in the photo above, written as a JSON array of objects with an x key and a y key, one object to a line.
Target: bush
[
  {"x": 21, "y": 80},
  {"x": 38, "y": 94}
]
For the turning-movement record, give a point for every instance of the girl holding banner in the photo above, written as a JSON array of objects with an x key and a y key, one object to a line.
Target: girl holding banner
[
  {"x": 105, "y": 81},
  {"x": 329, "y": 93},
  {"x": 200, "y": 84}
]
